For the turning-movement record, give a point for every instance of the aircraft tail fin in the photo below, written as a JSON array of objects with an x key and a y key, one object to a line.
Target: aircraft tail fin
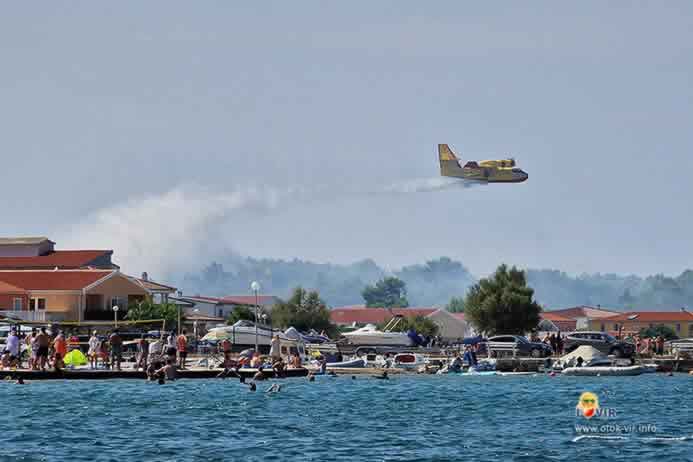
[{"x": 449, "y": 163}]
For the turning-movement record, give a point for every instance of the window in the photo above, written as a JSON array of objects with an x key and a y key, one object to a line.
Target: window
[
  {"x": 17, "y": 304},
  {"x": 616, "y": 327},
  {"x": 120, "y": 302},
  {"x": 602, "y": 327},
  {"x": 36, "y": 304},
  {"x": 678, "y": 328}
]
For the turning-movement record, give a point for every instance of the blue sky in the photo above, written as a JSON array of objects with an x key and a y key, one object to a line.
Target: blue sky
[{"x": 132, "y": 126}]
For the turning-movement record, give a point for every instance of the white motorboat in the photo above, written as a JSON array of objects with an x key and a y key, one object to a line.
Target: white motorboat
[
  {"x": 604, "y": 371},
  {"x": 370, "y": 335},
  {"x": 242, "y": 334}
]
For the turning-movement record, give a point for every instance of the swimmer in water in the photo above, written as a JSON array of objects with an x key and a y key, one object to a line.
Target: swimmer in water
[
  {"x": 275, "y": 388},
  {"x": 252, "y": 386},
  {"x": 382, "y": 376}
]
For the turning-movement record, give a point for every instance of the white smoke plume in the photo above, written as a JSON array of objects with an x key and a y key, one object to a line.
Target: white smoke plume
[
  {"x": 162, "y": 233},
  {"x": 429, "y": 185}
]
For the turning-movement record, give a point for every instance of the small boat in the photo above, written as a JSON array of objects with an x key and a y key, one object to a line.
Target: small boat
[
  {"x": 370, "y": 335},
  {"x": 604, "y": 371},
  {"x": 409, "y": 360},
  {"x": 354, "y": 363}
]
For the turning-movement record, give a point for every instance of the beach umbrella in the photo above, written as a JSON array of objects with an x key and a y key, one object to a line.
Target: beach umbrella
[{"x": 75, "y": 358}]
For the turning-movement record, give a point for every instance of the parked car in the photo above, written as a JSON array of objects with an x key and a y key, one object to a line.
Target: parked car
[
  {"x": 602, "y": 341},
  {"x": 523, "y": 346}
]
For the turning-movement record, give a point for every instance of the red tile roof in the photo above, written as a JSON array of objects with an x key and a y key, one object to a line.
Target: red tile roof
[
  {"x": 52, "y": 280},
  {"x": 233, "y": 299},
  {"x": 363, "y": 315},
  {"x": 584, "y": 312},
  {"x": 63, "y": 259},
  {"x": 552, "y": 316},
  {"x": 248, "y": 299},
  {"x": 561, "y": 322},
  {"x": 653, "y": 316},
  {"x": 6, "y": 288},
  {"x": 154, "y": 286}
]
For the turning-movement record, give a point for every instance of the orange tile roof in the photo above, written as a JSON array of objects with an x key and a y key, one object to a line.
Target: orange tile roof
[
  {"x": 653, "y": 316},
  {"x": 52, "y": 280},
  {"x": 64, "y": 259},
  {"x": 363, "y": 315}
]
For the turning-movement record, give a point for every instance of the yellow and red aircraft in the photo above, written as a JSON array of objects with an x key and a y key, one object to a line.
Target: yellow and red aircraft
[{"x": 484, "y": 171}]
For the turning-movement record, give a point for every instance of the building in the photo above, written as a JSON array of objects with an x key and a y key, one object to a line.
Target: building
[
  {"x": 67, "y": 295},
  {"x": 39, "y": 253},
  {"x": 451, "y": 326},
  {"x": 159, "y": 292},
  {"x": 221, "y": 307},
  {"x": 582, "y": 315},
  {"x": 553, "y": 322},
  {"x": 681, "y": 322}
]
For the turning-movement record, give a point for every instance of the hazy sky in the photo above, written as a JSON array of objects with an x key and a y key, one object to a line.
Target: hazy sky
[{"x": 190, "y": 128}]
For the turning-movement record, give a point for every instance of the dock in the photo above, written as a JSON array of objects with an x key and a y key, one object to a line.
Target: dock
[{"x": 105, "y": 374}]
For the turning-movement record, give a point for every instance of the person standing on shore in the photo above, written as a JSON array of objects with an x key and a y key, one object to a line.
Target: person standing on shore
[
  {"x": 182, "y": 344},
  {"x": 171, "y": 346},
  {"x": 276, "y": 348},
  {"x": 43, "y": 341},
  {"x": 13, "y": 347},
  {"x": 93, "y": 351},
  {"x": 142, "y": 353},
  {"x": 29, "y": 342},
  {"x": 59, "y": 350},
  {"x": 116, "y": 349}
]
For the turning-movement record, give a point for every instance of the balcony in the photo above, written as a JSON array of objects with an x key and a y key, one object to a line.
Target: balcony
[{"x": 25, "y": 315}]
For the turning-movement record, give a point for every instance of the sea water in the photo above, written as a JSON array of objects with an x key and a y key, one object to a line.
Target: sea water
[{"x": 410, "y": 418}]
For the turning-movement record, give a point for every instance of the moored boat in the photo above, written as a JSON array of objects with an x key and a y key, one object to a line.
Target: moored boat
[
  {"x": 604, "y": 371},
  {"x": 370, "y": 335},
  {"x": 354, "y": 363}
]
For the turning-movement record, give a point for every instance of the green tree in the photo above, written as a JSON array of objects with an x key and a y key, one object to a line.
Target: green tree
[
  {"x": 502, "y": 303},
  {"x": 303, "y": 310},
  {"x": 420, "y": 324},
  {"x": 456, "y": 305},
  {"x": 146, "y": 309},
  {"x": 240, "y": 313},
  {"x": 655, "y": 331},
  {"x": 389, "y": 292}
]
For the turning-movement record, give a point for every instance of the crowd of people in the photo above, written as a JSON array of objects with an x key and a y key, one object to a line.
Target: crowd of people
[{"x": 39, "y": 349}]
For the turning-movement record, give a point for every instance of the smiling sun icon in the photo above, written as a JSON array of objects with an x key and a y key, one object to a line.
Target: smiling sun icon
[{"x": 588, "y": 404}]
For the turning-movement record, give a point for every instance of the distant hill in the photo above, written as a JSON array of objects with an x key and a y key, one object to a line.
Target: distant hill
[{"x": 433, "y": 283}]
